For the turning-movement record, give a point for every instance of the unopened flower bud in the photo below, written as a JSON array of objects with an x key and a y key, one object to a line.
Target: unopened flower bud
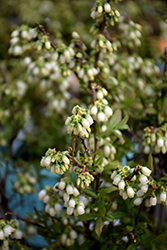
[
  {"x": 140, "y": 193},
  {"x": 71, "y": 203},
  {"x": 62, "y": 185},
  {"x": 57, "y": 207},
  {"x": 147, "y": 149},
  {"x": 144, "y": 188},
  {"x": 137, "y": 201},
  {"x": 106, "y": 151},
  {"x": 107, "y": 7},
  {"x": 69, "y": 210},
  {"x": 47, "y": 161},
  {"x": 101, "y": 117},
  {"x": 85, "y": 123},
  {"x": 69, "y": 189},
  {"x": 121, "y": 185},
  {"x": 41, "y": 195},
  {"x": 68, "y": 121},
  {"x": 66, "y": 160},
  {"x": 117, "y": 179},
  {"x": 47, "y": 45},
  {"x": 80, "y": 210},
  {"x": 94, "y": 110},
  {"x": 46, "y": 199},
  {"x": 143, "y": 179},
  {"x": 146, "y": 171},
  {"x": 66, "y": 197},
  {"x": 52, "y": 212},
  {"x": 124, "y": 195},
  {"x": 160, "y": 142},
  {"x": 75, "y": 35},
  {"x": 90, "y": 120},
  {"x": 153, "y": 201},
  {"x": 99, "y": 95},
  {"x": 108, "y": 111},
  {"x": 130, "y": 192},
  {"x": 163, "y": 196},
  {"x": 75, "y": 192},
  {"x": 73, "y": 234}
]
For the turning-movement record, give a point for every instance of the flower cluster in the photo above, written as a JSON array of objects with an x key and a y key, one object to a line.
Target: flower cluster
[
  {"x": 20, "y": 40},
  {"x": 154, "y": 196},
  {"x": 66, "y": 198},
  {"x": 79, "y": 123},
  {"x": 155, "y": 140},
  {"x": 48, "y": 196},
  {"x": 132, "y": 31},
  {"x": 99, "y": 10},
  {"x": 65, "y": 53},
  {"x": 100, "y": 111},
  {"x": 105, "y": 145},
  {"x": 102, "y": 44},
  {"x": 8, "y": 94},
  {"x": 46, "y": 73},
  {"x": 84, "y": 178},
  {"x": 56, "y": 161},
  {"x": 10, "y": 228},
  {"x": 125, "y": 178},
  {"x": 86, "y": 72},
  {"x": 100, "y": 92},
  {"x": 42, "y": 73},
  {"x": 25, "y": 183},
  {"x": 68, "y": 237}
]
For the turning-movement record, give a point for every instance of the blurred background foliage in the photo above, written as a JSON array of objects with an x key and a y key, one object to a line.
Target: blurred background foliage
[{"x": 60, "y": 19}]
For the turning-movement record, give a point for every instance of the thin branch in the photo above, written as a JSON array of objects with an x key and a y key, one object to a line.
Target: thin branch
[
  {"x": 135, "y": 172},
  {"x": 136, "y": 137},
  {"x": 84, "y": 144},
  {"x": 93, "y": 93},
  {"x": 140, "y": 209},
  {"x": 41, "y": 28},
  {"x": 5, "y": 75},
  {"x": 132, "y": 236},
  {"x": 165, "y": 64},
  {"x": 79, "y": 45},
  {"x": 74, "y": 159},
  {"x": 25, "y": 220}
]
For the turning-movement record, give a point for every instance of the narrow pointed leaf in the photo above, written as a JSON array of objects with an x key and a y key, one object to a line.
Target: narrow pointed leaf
[
  {"x": 90, "y": 193},
  {"x": 98, "y": 226},
  {"x": 85, "y": 217},
  {"x": 107, "y": 190}
]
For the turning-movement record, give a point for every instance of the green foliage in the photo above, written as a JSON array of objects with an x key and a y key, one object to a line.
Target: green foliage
[{"x": 100, "y": 79}]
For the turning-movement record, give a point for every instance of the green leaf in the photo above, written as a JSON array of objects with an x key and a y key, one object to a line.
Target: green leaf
[
  {"x": 118, "y": 215},
  {"x": 115, "y": 119},
  {"x": 128, "y": 229},
  {"x": 119, "y": 135},
  {"x": 141, "y": 225},
  {"x": 90, "y": 193},
  {"x": 132, "y": 246},
  {"x": 150, "y": 162},
  {"x": 151, "y": 111},
  {"x": 98, "y": 226},
  {"x": 107, "y": 190},
  {"x": 109, "y": 217},
  {"x": 99, "y": 159},
  {"x": 85, "y": 217},
  {"x": 112, "y": 165},
  {"x": 122, "y": 124},
  {"x": 101, "y": 208},
  {"x": 160, "y": 238}
]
